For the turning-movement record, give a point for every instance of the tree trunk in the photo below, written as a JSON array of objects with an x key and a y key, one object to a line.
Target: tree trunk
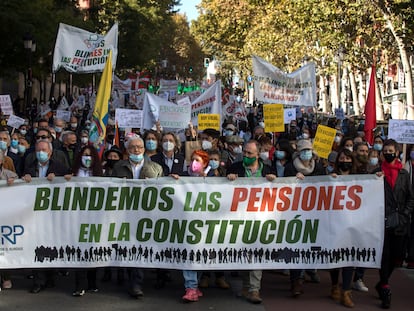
[
  {"x": 354, "y": 92},
  {"x": 406, "y": 67}
]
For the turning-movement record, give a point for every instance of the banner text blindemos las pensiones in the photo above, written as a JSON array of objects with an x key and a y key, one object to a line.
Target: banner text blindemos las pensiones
[{"x": 193, "y": 223}]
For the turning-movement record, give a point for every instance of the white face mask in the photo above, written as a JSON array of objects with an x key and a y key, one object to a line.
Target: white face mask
[
  {"x": 206, "y": 145},
  {"x": 168, "y": 146},
  {"x": 84, "y": 140},
  {"x": 264, "y": 155},
  {"x": 237, "y": 150}
]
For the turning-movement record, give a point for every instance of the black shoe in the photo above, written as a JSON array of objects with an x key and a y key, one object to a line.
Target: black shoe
[
  {"x": 385, "y": 298},
  {"x": 136, "y": 293},
  {"x": 36, "y": 289},
  {"x": 78, "y": 293}
]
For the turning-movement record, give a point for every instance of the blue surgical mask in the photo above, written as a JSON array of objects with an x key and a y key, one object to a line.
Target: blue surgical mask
[
  {"x": 42, "y": 156},
  {"x": 21, "y": 149},
  {"x": 373, "y": 161},
  {"x": 214, "y": 164},
  {"x": 136, "y": 157},
  {"x": 86, "y": 161},
  {"x": 280, "y": 155},
  {"x": 228, "y": 133},
  {"x": 151, "y": 145},
  {"x": 14, "y": 143},
  {"x": 305, "y": 155},
  {"x": 329, "y": 169},
  {"x": 3, "y": 145},
  {"x": 378, "y": 147}
]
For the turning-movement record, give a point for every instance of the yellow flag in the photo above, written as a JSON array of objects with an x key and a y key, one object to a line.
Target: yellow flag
[{"x": 100, "y": 113}]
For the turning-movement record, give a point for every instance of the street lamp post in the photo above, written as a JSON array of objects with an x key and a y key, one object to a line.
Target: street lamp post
[{"x": 30, "y": 47}]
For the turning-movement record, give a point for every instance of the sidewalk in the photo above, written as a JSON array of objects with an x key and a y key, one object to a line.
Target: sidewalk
[{"x": 275, "y": 293}]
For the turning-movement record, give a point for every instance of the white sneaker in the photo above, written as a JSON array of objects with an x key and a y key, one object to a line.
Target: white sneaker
[{"x": 360, "y": 286}]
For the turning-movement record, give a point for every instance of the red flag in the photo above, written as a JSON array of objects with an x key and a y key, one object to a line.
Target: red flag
[
  {"x": 116, "y": 136},
  {"x": 370, "y": 110}
]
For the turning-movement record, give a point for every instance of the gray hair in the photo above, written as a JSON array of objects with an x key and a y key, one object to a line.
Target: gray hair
[
  {"x": 45, "y": 141},
  {"x": 133, "y": 139},
  {"x": 7, "y": 133}
]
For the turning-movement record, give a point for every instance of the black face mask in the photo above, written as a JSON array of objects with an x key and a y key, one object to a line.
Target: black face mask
[
  {"x": 110, "y": 163},
  {"x": 345, "y": 166},
  {"x": 72, "y": 146},
  {"x": 389, "y": 157}
]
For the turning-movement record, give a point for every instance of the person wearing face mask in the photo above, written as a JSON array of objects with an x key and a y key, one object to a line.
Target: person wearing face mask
[
  {"x": 304, "y": 163},
  {"x": 409, "y": 166},
  {"x": 84, "y": 139},
  {"x": 266, "y": 150},
  {"x": 348, "y": 143},
  {"x": 136, "y": 167},
  {"x": 209, "y": 139},
  {"x": 44, "y": 166},
  {"x": 251, "y": 166},
  {"x": 170, "y": 159},
  {"x": 152, "y": 140},
  {"x": 398, "y": 199},
  {"x": 111, "y": 157},
  {"x": 344, "y": 165},
  {"x": 233, "y": 151},
  {"x": 199, "y": 167},
  {"x": 230, "y": 130},
  {"x": 282, "y": 156},
  {"x": 373, "y": 160},
  {"x": 86, "y": 164},
  {"x": 10, "y": 158},
  {"x": 378, "y": 142},
  {"x": 59, "y": 125}
]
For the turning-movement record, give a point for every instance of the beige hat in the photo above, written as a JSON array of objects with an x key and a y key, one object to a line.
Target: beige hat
[{"x": 303, "y": 144}]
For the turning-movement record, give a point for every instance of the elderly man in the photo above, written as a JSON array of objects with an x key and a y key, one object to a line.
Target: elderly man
[
  {"x": 44, "y": 166},
  {"x": 136, "y": 167},
  {"x": 251, "y": 166}
]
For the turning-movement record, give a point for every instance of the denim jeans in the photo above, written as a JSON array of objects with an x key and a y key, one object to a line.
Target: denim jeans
[{"x": 190, "y": 278}]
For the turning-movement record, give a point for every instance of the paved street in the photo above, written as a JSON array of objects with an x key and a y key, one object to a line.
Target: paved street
[{"x": 275, "y": 293}]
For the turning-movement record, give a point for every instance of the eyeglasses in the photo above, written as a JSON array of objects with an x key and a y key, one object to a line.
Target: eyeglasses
[
  {"x": 42, "y": 137},
  {"x": 136, "y": 147}
]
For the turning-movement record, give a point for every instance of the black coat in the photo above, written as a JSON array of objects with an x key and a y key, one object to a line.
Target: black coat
[
  {"x": 177, "y": 167},
  {"x": 239, "y": 169},
  {"x": 400, "y": 197},
  {"x": 55, "y": 167}
]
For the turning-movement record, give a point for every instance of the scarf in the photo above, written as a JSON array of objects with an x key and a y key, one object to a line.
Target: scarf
[
  {"x": 391, "y": 171},
  {"x": 298, "y": 164}
]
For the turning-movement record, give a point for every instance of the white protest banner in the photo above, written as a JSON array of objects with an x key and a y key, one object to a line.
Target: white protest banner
[
  {"x": 193, "y": 223},
  {"x": 81, "y": 51},
  {"x": 128, "y": 118},
  {"x": 272, "y": 85},
  {"x": 170, "y": 115},
  {"x": 208, "y": 102},
  {"x": 402, "y": 131},
  {"x": 122, "y": 86},
  {"x": 290, "y": 115},
  {"x": 6, "y": 105},
  {"x": 63, "y": 115},
  {"x": 235, "y": 109},
  {"x": 15, "y": 121}
]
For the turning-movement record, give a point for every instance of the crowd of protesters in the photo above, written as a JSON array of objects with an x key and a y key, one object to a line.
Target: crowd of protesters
[{"x": 49, "y": 147}]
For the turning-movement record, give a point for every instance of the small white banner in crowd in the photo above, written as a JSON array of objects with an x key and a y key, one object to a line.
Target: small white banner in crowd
[
  {"x": 272, "y": 85},
  {"x": 6, "y": 105},
  {"x": 208, "y": 103},
  {"x": 402, "y": 131},
  {"x": 81, "y": 51},
  {"x": 15, "y": 121},
  {"x": 193, "y": 223},
  {"x": 128, "y": 118},
  {"x": 63, "y": 115},
  {"x": 170, "y": 115}
]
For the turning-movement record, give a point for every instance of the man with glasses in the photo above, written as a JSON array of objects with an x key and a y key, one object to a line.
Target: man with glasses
[
  {"x": 57, "y": 155},
  {"x": 251, "y": 166},
  {"x": 136, "y": 167}
]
